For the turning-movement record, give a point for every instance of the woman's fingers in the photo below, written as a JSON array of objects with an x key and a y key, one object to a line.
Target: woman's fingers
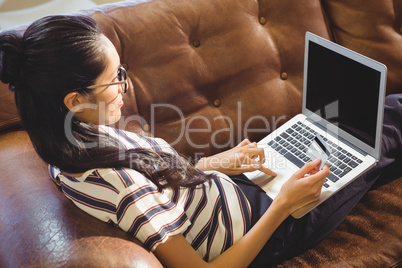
[
  {"x": 244, "y": 143},
  {"x": 245, "y": 157},
  {"x": 312, "y": 175},
  {"x": 267, "y": 171},
  {"x": 304, "y": 186},
  {"x": 308, "y": 167},
  {"x": 256, "y": 166},
  {"x": 250, "y": 153}
]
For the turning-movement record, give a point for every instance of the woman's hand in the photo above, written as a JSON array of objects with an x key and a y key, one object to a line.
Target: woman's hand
[
  {"x": 240, "y": 159},
  {"x": 303, "y": 187}
]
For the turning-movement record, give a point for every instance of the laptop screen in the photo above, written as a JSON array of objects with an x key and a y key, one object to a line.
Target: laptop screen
[{"x": 343, "y": 91}]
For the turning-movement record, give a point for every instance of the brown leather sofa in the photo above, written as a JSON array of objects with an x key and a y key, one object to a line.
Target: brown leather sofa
[{"x": 204, "y": 74}]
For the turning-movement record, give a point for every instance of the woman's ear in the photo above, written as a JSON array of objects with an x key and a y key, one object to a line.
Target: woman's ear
[{"x": 72, "y": 99}]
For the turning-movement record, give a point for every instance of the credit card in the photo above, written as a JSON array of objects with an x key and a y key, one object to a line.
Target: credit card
[{"x": 319, "y": 149}]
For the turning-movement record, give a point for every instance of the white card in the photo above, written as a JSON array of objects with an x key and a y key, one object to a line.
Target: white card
[{"x": 319, "y": 149}]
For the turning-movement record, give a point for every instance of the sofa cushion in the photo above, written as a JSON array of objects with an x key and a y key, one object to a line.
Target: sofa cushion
[
  {"x": 208, "y": 68},
  {"x": 202, "y": 70},
  {"x": 373, "y": 28}
]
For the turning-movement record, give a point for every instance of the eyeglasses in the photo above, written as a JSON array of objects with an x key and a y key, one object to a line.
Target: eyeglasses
[{"x": 121, "y": 76}]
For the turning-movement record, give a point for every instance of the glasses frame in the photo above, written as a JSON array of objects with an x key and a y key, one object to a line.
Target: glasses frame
[{"x": 123, "y": 82}]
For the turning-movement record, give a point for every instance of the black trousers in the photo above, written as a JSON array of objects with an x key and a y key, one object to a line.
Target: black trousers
[{"x": 295, "y": 236}]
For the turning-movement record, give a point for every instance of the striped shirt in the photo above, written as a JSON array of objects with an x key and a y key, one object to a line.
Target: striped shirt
[{"x": 211, "y": 216}]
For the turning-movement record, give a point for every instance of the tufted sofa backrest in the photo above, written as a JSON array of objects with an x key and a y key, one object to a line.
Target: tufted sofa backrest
[{"x": 205, "y": 74}]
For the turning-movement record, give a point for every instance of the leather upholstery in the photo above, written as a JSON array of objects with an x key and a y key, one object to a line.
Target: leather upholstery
[
  {"x": 204, "y": 74},
  {"x": 40, "y": 227}
]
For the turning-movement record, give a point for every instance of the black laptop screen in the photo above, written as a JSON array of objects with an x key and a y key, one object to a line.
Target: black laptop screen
[{"x": 343, "y": 91}]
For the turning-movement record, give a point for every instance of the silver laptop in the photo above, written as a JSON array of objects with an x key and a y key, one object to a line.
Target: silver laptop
[{"x": 343, "y": 105}]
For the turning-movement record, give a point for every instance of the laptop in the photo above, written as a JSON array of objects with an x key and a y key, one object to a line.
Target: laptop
[{"x": 341, "y": 121}]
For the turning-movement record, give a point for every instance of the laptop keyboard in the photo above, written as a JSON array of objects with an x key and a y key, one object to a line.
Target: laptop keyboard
[{"x": 294, "y": 142}]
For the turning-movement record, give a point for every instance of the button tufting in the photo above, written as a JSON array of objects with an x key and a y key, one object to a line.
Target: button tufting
[
  {"x": 284, "y": 76},
  {"x": 217, "y": 103},
  {"x": 263, "y": 20},
  {"x": 196, "y": 43},
  {"x": 146, "y": 128}
]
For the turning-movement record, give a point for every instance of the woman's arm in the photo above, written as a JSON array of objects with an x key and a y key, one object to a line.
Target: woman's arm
[
  {"x": 298, "y": 191},
  {"x": 177, "y": 252},
  {"x": 240, "y": 159}
]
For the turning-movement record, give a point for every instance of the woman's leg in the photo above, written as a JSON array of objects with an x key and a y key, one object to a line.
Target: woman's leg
[{"x": 294, "y": 236}]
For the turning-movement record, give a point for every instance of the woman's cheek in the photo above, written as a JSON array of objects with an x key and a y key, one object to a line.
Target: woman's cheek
[{"x": 113, "y": 114}]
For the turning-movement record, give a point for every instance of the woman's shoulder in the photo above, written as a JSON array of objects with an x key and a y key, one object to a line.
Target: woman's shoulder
[{"x": 116, "y": 178}]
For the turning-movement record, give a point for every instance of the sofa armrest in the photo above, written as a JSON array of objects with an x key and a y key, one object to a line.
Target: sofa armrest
[
  {"x": 40, "y": 227},
  {"x": 106, "y": 251}
]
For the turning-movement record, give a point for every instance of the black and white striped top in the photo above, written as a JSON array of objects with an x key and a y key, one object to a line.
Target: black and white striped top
[{"x": 211, "y": 217}]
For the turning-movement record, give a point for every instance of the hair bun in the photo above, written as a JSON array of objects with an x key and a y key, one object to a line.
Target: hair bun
[{"x": 11, "y": 58}]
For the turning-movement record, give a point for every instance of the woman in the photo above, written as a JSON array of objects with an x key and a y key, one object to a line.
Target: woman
[{"x": 68, "y": 85}]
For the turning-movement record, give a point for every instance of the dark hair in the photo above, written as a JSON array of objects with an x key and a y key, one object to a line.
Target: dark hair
[{"x": 57, "y": 55}]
